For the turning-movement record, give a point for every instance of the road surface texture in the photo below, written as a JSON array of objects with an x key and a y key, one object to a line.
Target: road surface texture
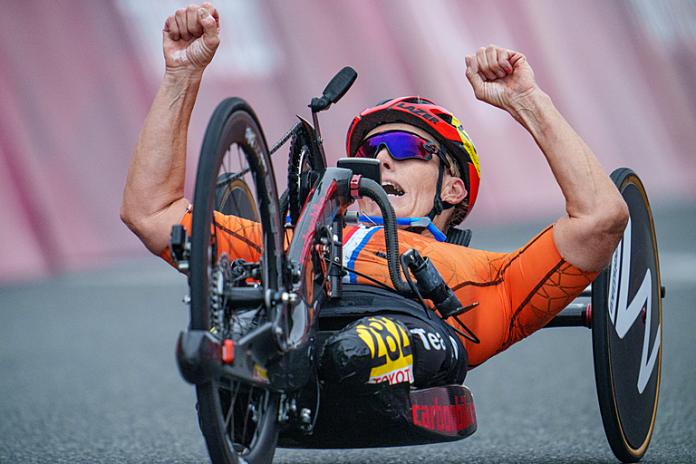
[{"x": 87, "y": 374}]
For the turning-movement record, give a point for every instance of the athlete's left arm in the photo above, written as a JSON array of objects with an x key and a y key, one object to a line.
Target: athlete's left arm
[{"x": 596, "y": 214}]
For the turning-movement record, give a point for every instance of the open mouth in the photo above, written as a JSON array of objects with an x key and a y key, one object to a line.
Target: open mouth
[{"x": 392, "y": 189}]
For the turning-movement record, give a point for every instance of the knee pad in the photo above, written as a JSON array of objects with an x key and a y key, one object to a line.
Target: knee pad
[{"x": 371, "y": 350}]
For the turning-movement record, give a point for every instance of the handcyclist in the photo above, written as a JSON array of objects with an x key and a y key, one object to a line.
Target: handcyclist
[{"x": 430, "y": 169}]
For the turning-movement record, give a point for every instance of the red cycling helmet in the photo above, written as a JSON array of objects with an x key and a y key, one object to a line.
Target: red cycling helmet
[{"x": 438, "y": 122}]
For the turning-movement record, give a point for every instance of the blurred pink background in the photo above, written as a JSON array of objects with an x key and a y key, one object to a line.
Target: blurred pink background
[{"x": 77, "y": 78}]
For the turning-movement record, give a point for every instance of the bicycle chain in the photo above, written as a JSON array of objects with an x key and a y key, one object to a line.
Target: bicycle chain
[
  {"x": 285, "y": 138},
  {"x": 217, "y": 295}
]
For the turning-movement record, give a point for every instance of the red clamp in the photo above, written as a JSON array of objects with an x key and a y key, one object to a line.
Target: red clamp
[
  {"x": 588, "y": 316},
  {"x": 228, "y": 351},
  {"x": 355, "y": 186}
]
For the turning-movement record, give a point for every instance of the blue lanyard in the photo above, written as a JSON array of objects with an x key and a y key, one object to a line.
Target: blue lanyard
[{"x": 410, "y": 221}]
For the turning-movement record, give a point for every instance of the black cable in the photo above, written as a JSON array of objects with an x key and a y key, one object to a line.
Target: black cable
[
  {"x": 371, "y": 189},
  {"x": 414, "y": 289},
  {"x": 366, "y": 277},
  {"x": 469, "y": 335}
]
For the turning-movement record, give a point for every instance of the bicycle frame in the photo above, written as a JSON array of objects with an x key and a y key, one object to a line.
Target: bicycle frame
[
  {"x": 288, "y": 340},
  {"x": 323, "y": 213}
]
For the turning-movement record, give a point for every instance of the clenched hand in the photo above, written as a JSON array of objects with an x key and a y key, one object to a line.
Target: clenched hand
[
  {"x": 190, "y": 37},
  {"x": 500, "y": 76}
]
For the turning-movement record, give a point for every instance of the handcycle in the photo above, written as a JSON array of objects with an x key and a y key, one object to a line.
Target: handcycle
[{"x": 257, "y": 325}]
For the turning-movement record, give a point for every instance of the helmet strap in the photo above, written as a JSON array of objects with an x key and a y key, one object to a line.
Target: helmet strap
[{"x": 439, "y": 205}]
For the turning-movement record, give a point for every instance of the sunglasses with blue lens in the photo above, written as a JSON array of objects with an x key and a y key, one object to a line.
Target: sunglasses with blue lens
[{"x": 401, "y": 145}]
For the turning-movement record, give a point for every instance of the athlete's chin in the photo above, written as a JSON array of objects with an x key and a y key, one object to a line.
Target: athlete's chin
[
  {"x": 368, "y": 207},
  {"x": 402, "y": 206}
]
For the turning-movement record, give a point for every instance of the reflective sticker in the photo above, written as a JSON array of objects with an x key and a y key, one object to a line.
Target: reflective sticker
[
  {"x": 468, "y": 144},
  {"x": 260, "y": 373},
  {"x": 390, "y": 350}
]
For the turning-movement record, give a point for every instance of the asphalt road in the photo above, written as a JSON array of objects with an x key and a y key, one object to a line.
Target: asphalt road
[{"x": 87, "y": 374}]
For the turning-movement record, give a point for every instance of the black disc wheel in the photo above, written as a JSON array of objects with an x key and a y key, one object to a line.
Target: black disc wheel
[
  {"x": 235, "y": 179},
  {"x": 627, "y": 329}
]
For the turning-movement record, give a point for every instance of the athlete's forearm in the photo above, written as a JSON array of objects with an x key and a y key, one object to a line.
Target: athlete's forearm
[
  {"x": 577, "y": 171},
  {"x": 156, "y": 173},
  {"x": 594, "y": 206}
]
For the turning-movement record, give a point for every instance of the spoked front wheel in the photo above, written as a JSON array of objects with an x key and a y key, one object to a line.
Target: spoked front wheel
[{"x": 235, "y": 243}]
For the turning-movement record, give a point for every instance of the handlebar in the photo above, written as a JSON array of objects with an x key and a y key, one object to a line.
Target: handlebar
[{"x": 335, "y": 89}]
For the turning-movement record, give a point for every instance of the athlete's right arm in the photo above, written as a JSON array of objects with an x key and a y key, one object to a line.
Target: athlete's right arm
[{"x": 153, "y": 198}]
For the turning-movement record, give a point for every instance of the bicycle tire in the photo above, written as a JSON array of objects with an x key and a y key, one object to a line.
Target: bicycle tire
[
  {"x": 233, "y": 123},
  {"x": 628, "y": 385}
]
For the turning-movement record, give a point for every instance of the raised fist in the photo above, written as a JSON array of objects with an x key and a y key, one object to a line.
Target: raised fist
[
  {"x": 499, "y": 76},
  {"x": 190, "y": 37}
]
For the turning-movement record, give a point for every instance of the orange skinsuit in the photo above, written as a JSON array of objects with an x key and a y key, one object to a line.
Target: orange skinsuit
[{"x": 517, "y": 293}]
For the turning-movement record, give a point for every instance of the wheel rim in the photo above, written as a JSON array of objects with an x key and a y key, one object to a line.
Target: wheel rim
[{"x": 234, "y": 197}]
